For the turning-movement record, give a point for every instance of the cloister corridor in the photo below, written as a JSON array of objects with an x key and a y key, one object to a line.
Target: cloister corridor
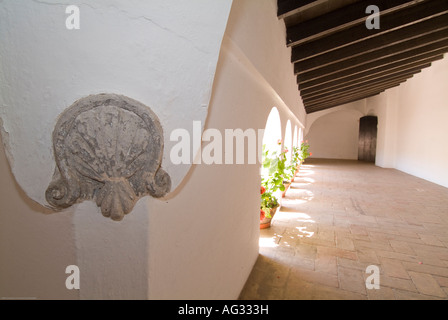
[{"x": 338, "y": 218}]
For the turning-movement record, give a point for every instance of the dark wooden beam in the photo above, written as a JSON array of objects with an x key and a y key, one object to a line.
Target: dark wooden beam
[
  {"x": 368, "y": 75},
  {"x": 439, "y": 47},
  {"x": 439, "y": 39},
  {"x": 352, "y": 97},
  {"x": 370, "y": 69},
  {"x": 322, "y": 107},
  {"x": 355, "y": 90},
  {"x": 389, "y": 22},
  {"x": 361, "y": 84},
  {"x": 359, "y": 91},
  {"x": 340, "y": 19},
  {"x": 434, "y": 29},
  {"x": 357, "y": 79},
  {"x": 288, "y": 8},
  {"x": 339, "y": 103}
]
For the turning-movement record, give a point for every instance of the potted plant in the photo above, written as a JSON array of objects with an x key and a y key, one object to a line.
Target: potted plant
[
  {"x": 295, "y": 161},
  {"x": 304, "y": 152},
  {"x": 276, "y": 178},
  {"x": 274, "y": 170},
  {"x": 269, "y": 206},
  {"x": 286, "y": 171},
  {"x": 294, "y": 166},
  {"x": 273, "y": 175}
]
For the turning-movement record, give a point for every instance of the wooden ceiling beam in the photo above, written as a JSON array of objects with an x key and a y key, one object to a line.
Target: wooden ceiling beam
[
  {"x": 372, "y": 68},
  {"x": 362, "y": 84},
  {"x": 351, "y": 97},
  {"x": 439, "y": 39},
  {"x": 339, "y": 103},
  {"x": 359, "y": 91},
  {"x": 369, "y": 75},
  {"x": 434, "y": 29},
  {"x": 287, "y": 8},
  {"x": 365, "y": 77},
  {"x": 389, "y": 22},
  {"x": 439, "y": 47},
  {"x": 339, "y": 19},
  {"x": 338, "y": 60}
]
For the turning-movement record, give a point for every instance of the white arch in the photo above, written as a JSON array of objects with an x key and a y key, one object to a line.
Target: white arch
[
  {"x": 300, "y": 136},
  {"x": 335, "y": 135},
  {"x": 273, "y": 131},
  {"x": 272, "y": 134},
  {"x": 295, "y": 137},
  {"x": 287, "y": 144}
]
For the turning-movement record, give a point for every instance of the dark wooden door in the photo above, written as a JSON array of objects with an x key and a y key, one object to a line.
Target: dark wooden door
[{"x": 368, "y": 130}]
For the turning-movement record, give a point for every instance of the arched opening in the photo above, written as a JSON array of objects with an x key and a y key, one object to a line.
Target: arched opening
[
  {"x": 272, "y": 147},
  {"x": 335, "y": 135},
  {"x": 287, "y": 145},
  {"x": 279, "y": 172},
  {"x": 295, "y": 138},
  {"x": 273, "y": 131}
]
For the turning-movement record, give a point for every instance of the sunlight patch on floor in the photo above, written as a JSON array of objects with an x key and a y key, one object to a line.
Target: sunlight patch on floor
[
  {"x": 303, "y": 233},
  {"x": 268, "y": 242}
]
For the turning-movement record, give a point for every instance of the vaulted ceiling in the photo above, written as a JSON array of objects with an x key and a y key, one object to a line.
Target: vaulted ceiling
[{"x": 338, "y": 59}]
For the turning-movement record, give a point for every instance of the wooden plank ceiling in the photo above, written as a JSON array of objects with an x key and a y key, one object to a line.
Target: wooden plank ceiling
[{"x": 338, "y": 60}]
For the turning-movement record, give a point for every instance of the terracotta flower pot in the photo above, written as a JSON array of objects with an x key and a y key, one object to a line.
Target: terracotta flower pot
[
  {"x": 286, "y": 189},
  {"x": 266, "y": 222}
]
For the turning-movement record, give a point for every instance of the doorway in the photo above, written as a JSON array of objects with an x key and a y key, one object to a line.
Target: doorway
[{"x": 368, "y": 130}]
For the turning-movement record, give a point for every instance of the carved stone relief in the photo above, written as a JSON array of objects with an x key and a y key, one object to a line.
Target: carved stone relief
[{"x": 108, "y": 148}]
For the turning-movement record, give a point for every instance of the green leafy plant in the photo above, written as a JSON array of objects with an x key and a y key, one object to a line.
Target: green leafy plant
[
  {"x": 268, "y": 203},
  {"x": 295, "y": 161},
  {"x": 276, "y": 173},
  {"x": 275, "y": 170},
  {"x": 304, "y": 151}
]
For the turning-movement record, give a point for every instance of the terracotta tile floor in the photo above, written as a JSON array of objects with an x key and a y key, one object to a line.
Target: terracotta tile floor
[{"x": 338, "y": 218}]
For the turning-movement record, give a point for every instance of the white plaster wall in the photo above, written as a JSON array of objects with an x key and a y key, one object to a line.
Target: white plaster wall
[
  {"x": 162, "y": 53},
  {"x": 204, "y": 241},
  {"x": 422, "y": 147},
  {"x": 334, "y": 134},
  {"x": 412, "y": 134},
  {"x": 261, "y": 41},
  {"x": 415, "y": 133},
  {"x": 312, "y": 117},
  {"x": 36, "y": 245},
  {"x": 387, "y": 130}
]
